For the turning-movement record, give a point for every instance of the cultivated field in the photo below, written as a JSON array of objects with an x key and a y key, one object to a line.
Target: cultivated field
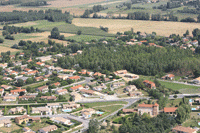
[
  {"x": 5, "y": 49},
  {"x": 160, "y": 27}
]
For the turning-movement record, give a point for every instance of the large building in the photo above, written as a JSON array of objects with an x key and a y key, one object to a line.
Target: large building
[
  {"x": 151, "y": 109},
  {"x": 180, "y": 129}
]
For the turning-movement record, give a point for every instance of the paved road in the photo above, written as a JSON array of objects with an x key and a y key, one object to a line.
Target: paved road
[{"x": 183, "y": 95}]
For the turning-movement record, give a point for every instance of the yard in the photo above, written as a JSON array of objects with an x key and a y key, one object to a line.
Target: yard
[
  {"x": 96, "y": 104},
  {"x": 14, "y": 129}
]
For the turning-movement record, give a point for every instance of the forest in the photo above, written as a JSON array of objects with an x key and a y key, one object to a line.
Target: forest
[
  {"x": 136, "y": 59},
  {"x": 23, "y": 16}
]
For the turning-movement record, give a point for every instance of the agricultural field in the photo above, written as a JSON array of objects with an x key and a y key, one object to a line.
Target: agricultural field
[
  {"x": 117, "y": 25},
  {"x": 96, "y": 104}
]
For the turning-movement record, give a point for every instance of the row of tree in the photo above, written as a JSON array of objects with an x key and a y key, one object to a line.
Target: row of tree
[
  {"x": 10, "y": 2},
  {"x": 95, "y": 8},
  {"x": 36, "y": 3},
  {"x": 14, "y": 30},
  {"x": 23, "y": 16}
]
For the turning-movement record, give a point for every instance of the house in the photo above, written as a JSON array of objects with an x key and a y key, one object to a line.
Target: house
[
  {"x": 120, "y": 72},
  {"x": 48, "y": 98},
  {"x": 168, "y": 76},
  {"x": 14, "y": 92},
  {"x": 22, "y": 78},
  {"x": 69, "y": 71},
  {"x": 5, "y": 123},
  {"x": 87, "y": 113},
  {"x": 76, "y": 88},
  {"x": 170, "y": 110},
  {"x": 149, "y": 84},
  {"x": 9, "y": 98},
  {"x": 135, "y": 93},
  {"x": 56, "y": 84},
  {"x": 43, "y": 89},
  {"x": 25, "y": 97},
  {"x": 12, "y": 57},
  {"x": 53, "y": 105},
  {"x": 21, "y": 54},
  {"x": 180, "y": 129},
  {"x": 131, "y": 88},
  {"x": 118, "y": 84},
  {"x": 99, "y": 74},
  {"x": 48, "y": 67},
  {"x": 71, "y": 105},
  {"x": 7, "y": 78},
  {"x": 84, "y": 73},
  {"x": 195, "y": 43},
  {"x": 76, "y": 96},
  {"x": 6, "y": 87},
  {"x": 41, "y": 110},
  {"x": 48, "y": 129},
  {"x": 20, "y": 119},
  {"x": 99, "y": 88},
  {"x": 32, "y": 73},
  {"x": 1, "y": 92},
  {"x": 75, "y": 78},
  {"x": 63, "y": 77},
  {"x": 143, "y": 35},
  {"x": 197, "y": 80},
  {"x": 58, "y": 69},
  {"x": 3, "y": 65},
  {"x": 39, "y": 78},
  {"x": 129, "y": 110},
  {"x": 27, "y": 70},
  {"x": 89, "y": 92},
  {"x": 61, "y": 92},
  {"x": 26, "y": 129},
  {"x": 16, "y": 110},
  {"x": 79, "y": 52},
  {"x": 61, "y": 120},
  {"x": 92, "y": 83},
  {"x": 40, "y": 63},
  {"x": 151, "y": 109}
]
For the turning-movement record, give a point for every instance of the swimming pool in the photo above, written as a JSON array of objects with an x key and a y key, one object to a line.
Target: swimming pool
[
  {"x": 86, "y": 95},
  {"x": 67, "y": 110},
  {"x": 99, "y": 112},
  {"x": 194, "y": 109}
]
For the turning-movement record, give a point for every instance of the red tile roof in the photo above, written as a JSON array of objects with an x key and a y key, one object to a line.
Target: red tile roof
[
  {"x": 76, "y": 87},
  {"x": 184, "y": 129},
  {"x": 170, "y": 109},
  {"x": 147, "y": 105},
  {"x": 74, "y": 77}
]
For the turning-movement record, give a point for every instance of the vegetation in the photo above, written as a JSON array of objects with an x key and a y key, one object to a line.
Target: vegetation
[{"x": 36, "y": 3}]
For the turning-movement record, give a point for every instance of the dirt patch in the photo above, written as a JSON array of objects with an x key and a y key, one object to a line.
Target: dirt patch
[{"x": 160, "y": 27}]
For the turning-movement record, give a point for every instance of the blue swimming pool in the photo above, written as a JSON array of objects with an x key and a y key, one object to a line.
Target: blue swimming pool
[
  {"x": 194, "y": 109},
  {"x": 99, "y": 112},
  {"x": 67, "y": 110},
  {"x": 86, "y": 95},
  {"x": 190, "y": 100}
]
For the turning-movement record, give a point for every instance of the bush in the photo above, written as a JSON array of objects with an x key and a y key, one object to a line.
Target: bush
[{"x": 79, "y": 32}]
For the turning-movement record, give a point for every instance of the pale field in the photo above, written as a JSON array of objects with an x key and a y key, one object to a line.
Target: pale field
[
  {"x": 106, "y": 14},
  {"x": 5, "y": 49},
  {"x": 162, "y": 28},
  {"x": 25, "y": 24},
  {"x": 68, "y": 3},
  {"x": 107, "y": 3}
]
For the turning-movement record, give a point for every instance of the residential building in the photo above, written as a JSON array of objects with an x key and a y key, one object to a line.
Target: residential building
[
  {"x": 9, "y": 98},
  {"x": 129, "y": 110},
  {"x": 76, "y": 88},
  {"x": 69, "y": 71},
  {"x": 17, "y": 91},
  {"x": 63, "y": 77},
  {"x": 5, "y": 123},
  {"x": 48, "y": 129},
  {"x": 6, "y": 87},
  {"x": 41, "y": 110},
  {"x": 87, "y": 113},
  {"x": 40, "y": 63},
  {"x": 89, "y": 92},
  {"x": 17, "y": 110},
  {"x": 3, "y": 65},
  {"x": 181, "y": 129},
  {"x": 131, "y": 88},
  {"x": 75, "y": 78},
  {"x": 48, "y": 98},
  {"x": 99, "y": 88},
  {"x": 170, "y": 110},
  {"x": 32, "y": 73},
  {"x": 39, "y": 78},
  {"x": 26, "y": 129},
  {"x": 149, "y": 84},
  {"x": 151, "y": 109},
  {"x": 1, "y": 92},
  {"x": 168, "y": 76},
  {"x": 43, "y": 89},
  {"x": 118, "y": 84},
  {"x": 61, "y": 120},
  {"x": 22, "y": 78},
  {"x": 76, "y": 96},
  {"x": 56, "y": 84},
  {"x": 79, "y": 52},
  {"x": 71, "y": 105},
  {"x": 120, "y": 72},
  {"x": 20, "y": 119},
  {"x": 61, "y": 92},
  {"x": 27, "y": 97}
]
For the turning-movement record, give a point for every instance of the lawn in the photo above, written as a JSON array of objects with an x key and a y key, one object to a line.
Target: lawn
[
  {"x": 12, "y": 129},
  {"x": 35, "y": 85},
  {"x": 96, "y": 104},
  {"x": 80, "y": 38}
]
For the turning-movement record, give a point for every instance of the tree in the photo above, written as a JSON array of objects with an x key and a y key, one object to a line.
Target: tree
[
  {"x": 94, "y": 126},
  {"x": 79, "y": 32},
  {"x": 175, "y": 96},
  {"x": 55, "y": 33},
  {"x": 20, "y": 83},
  {"x": 29, "y": 81},
  {"x": 1, "y": 40}
]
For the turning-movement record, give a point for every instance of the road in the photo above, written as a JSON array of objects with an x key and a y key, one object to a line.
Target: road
[{"x": 183, "y": 95}]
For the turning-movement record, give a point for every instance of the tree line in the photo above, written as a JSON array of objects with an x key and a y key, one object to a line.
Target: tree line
[
  {"x": 95, "y": 8},
  {"x": 10, "y": 2},
  {"x": 24, "y": 16},
  {"x": 36, "y": 3}
]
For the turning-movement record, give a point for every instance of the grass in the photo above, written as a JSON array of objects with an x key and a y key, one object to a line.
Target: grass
[
  {"x": 35, "y": 85},
  {"x": 118, "y": 25},
  {"x": 37, "y": 125},
  {"x": 9, "y": 129},
  {"x": 104, "y": 103},
  {"x": 85, "y": 37}
]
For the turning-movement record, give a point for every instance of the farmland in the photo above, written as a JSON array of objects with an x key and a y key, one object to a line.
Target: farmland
[{"x": 116, "y": 25}]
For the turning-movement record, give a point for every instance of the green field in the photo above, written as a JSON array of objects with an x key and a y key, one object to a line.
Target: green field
[{"x": 104, "y": 103}]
